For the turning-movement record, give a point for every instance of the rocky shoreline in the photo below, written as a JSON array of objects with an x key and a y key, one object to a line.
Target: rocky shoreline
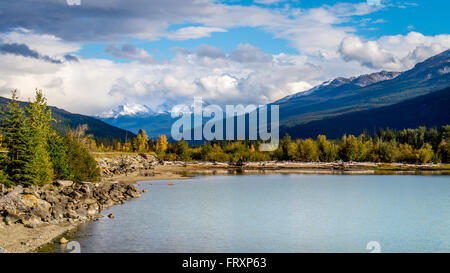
[
  {"x": 63, "y": 203},
  {"x": 35, "y": 216}
]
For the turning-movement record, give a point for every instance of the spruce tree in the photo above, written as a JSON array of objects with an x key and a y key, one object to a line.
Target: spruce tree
[
  {"x": 17, "y": 139},
  {"x": 39, "y": 118}
]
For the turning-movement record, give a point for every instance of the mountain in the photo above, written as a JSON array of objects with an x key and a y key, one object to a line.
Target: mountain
[
  {"x": 348, "y": 83},
  {"x": 427, "y": 110},
  {"x": 343, "y": 95},
  {"x": 130, "y": 109},
  {"x": 63, "y": 119},
  {"x": 136, "y": 116}
]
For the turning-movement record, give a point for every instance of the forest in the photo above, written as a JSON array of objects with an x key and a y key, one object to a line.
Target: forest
[{"x": 418, "y": 146}]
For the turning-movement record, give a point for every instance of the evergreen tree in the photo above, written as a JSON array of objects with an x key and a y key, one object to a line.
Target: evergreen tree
[
  {"x": 58, "y": 153},
  {"x": 17, "y": 140},
  {"x": 38, "y": 119}
]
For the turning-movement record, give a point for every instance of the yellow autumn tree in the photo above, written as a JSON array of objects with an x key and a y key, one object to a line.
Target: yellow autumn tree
[
  {"x": 140, "y": 143},
  {"x": 252, "y": 148},
  {"x": 161, "y": 144}
]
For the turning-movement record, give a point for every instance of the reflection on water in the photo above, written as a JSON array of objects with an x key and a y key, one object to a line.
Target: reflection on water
[{"x": 279, "y": 213}]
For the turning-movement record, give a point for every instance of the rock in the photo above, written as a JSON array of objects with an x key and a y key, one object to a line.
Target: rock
[
  {"x": 30, "y": 200},
  {"x": 82, "y": 214},
  {"x": 111, "y": 216},
  {"x": 42, "y": 209},
  {"x": 88, "y": 201},
  {"x": 144, "y": 191},
  {"x": 93, "y": 209},
  {"x": 71, "y": 214},
  {"x": 12, "y": 195},
  {"x": 63, "y": 241},
  {"x": 12, "y": 217},
  {"x": 133, "y": 191},
  {"x": 2, "y": 250},
  {"x": 64, "y": 183},
  {"x": 31, "y": 221},
  {"x": 57, "y": 211},
  {"x": 50, "y": 197}
]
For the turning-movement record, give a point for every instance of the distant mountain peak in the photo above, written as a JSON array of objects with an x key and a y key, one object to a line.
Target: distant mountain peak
[
  {"x": 129, "y": 109},
  {"x": 361, "y": 81},
  {"x": 368, "y": 79}
]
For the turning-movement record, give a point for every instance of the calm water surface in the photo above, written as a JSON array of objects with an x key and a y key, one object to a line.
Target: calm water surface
[{"x": 279, "y": 213}]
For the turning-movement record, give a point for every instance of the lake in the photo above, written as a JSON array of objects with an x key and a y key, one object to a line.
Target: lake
[{"x": 279, "y": 213}]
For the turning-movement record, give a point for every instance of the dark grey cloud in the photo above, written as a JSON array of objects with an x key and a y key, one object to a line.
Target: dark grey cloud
[
  {"x": 129, "y": 51},
  {"x": 100, "y": 20},
  {"x": 71, "y": 58},
  {"x": 25, "y": 51}
]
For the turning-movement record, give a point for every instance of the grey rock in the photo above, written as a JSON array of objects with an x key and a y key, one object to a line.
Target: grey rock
[{"x": 64, "y": 183}]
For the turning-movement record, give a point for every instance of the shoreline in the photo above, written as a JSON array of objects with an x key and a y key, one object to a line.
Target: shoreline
[
  {"x": 177, "y": 170},
  {"x": 32, "y": 240}
]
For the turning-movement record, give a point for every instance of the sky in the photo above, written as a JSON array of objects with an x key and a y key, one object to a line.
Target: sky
[{"x": 89, "y": 56}]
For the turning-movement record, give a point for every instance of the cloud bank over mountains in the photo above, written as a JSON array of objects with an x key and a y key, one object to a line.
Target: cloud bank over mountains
[{"x": 42, "y": 50}]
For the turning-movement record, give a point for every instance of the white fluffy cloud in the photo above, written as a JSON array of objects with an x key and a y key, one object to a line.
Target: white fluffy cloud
[
  {"x": 187, "y": 33},
  {"x": 245, "y": 75},
  {"x": 399, "y": 52}
]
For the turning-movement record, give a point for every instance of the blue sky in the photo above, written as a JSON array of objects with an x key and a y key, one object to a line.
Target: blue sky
[
  {"x": 92, "y": 57},
  {"x": 397, "y": 17}
]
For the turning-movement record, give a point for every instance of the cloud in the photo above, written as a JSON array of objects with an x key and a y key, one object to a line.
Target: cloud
[
  {"x": 399, "y": 52},
  {"x": 209, "y": 51},
  {"x": 203, "y": 72},
  {"x": 325, "y": 38},
  {"x": 129, "y": 51},
  {"x": 25, "y": 51},
  {"x": 187, "y": 33},
  {"x": 368, "y": 54},
  {"x": 70, "y": 58},
  {"x": 246, "y": 53}
]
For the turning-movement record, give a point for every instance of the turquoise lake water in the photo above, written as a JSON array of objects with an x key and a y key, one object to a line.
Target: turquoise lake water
[{"x": 279, "y": 213}]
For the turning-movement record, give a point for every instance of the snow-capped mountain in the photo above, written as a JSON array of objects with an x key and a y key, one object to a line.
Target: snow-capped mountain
[
  {"x": 352, "y": 82},
  {"x": 129, "y": 109}
]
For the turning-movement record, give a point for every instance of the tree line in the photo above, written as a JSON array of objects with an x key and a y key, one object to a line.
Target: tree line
[
  {"x": 419, "y": 146},
  {"x": 35, "y": 153}
]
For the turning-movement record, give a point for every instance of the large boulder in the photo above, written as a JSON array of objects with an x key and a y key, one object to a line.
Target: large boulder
[
  {"x": 30, "y": 200},
  {"x": 42, "y": 209}
]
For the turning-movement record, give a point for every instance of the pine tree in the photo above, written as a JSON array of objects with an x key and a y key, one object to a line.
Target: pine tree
[
  {"x": 17, "y": 139},
  {"x": 39, "y": 118}
]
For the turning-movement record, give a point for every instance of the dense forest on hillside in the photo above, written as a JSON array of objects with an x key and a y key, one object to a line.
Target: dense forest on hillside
[{"x": 427, "y": 110}]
